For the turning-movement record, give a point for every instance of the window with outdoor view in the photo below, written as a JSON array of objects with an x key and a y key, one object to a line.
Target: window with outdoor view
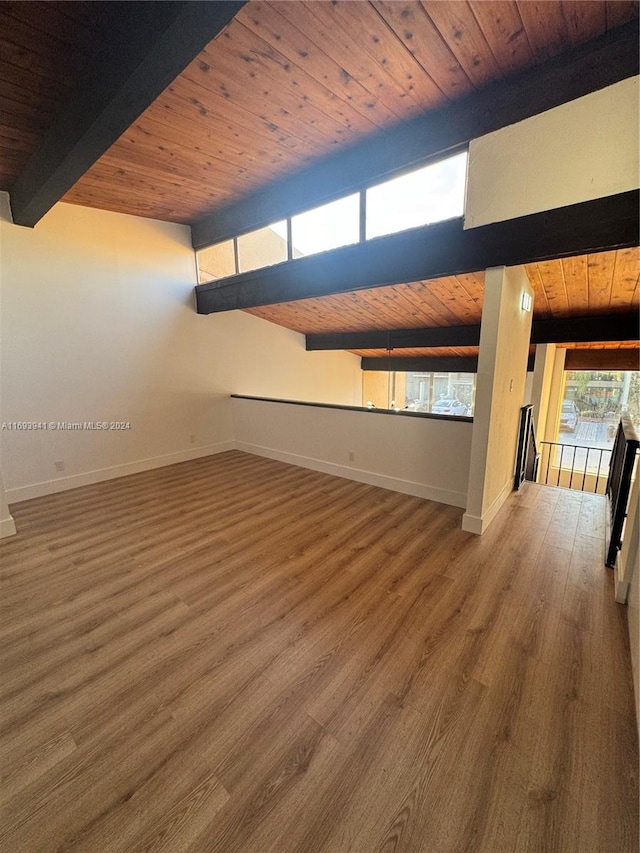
[
  {"x": 423, "y": 196},
  {"x": 326, "y": 227},
  {"x": 263, "y": 247},
  {"x": 426, "y": 194},
  {"x": 430, "y": 393},
  {"x": 593, "y": 402},
  {"x": 217, "y": 261}
]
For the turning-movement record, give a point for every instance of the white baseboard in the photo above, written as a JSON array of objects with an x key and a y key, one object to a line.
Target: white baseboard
[
  {"x": 472, "y": 524},
  {"x": 371, "y": 478},
  {"x": 87, "y": 478},
  {"x": 395, "y": 484},
  {"x": 7, "y": 527},
  {"x": 479, "y": 523}
]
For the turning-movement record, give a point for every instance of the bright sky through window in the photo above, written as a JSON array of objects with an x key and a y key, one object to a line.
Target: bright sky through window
[
  {"x": 327, "y": 227},
  {"x": 430, "y": 194}
]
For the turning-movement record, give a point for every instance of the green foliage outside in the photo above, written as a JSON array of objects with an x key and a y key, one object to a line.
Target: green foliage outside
[{"x": 601, "y": 395}]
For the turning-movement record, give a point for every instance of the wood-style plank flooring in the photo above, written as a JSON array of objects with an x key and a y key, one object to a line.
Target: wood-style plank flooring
[{"x": 234, "y": 654}]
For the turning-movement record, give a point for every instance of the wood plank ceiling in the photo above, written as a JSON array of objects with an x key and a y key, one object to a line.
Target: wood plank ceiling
[
  {"x": 287, "y": 83},
  {"x": 284, "y": 84},
  {"x": 43, "y": 50},
  {"x": 598, "y": 284}
]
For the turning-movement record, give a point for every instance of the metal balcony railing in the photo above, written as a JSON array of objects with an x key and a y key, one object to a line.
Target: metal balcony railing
[
  {"x": 574, "y": 466},
  {"x": 621, "y": 474}
]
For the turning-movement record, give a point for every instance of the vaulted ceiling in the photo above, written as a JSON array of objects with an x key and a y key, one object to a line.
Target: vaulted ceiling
[
  {"x": 283, "y": 86},
  {"x": 289, "y": 82}
]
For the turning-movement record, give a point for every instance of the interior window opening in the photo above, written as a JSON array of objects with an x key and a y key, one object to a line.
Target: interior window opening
[{"x": 437, "y": 393}]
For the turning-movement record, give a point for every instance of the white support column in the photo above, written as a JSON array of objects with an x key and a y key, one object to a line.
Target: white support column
[
  {"x": 502, "y": 369},
  {"x": 541, "y": 387},
  {"x": 556, "y": 396}
]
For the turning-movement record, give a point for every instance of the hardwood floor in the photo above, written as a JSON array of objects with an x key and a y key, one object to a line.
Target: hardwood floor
[{"x": 234, "y": 654}]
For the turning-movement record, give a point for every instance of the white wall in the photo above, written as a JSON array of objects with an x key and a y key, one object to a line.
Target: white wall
[
  {"x": 582, "y": 150},
  {"x": 500, "y": 387},
  {"x": 253, "y": 356},
  {"x": 627, "y": 582},
  {"x": 419, "y": 456},
  {"x": 634, "y": 631},
  {"x": 98, "y": 324}
]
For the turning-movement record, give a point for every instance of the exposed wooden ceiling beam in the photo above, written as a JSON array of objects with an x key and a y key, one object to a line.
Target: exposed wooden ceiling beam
[
  {"x": 434, "y": 251},
  {"x": 145, "y": 47},
  {"x": 428, "y": 364},
  {"x": 578, "y": 72},
  {"x": 576, "y": 330},
  {"x": 602, "y": 359},
  {"x": 435, "y": 336},
  {"x": 423, "y": 363},
  {"x": 614, "y": 327}
]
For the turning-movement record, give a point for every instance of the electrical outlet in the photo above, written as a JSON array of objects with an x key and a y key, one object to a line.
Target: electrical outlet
[
  {"x": 352, "y": 456},
  {"x": 59, "y": 465},
  {"x": 192, "y": 438}
]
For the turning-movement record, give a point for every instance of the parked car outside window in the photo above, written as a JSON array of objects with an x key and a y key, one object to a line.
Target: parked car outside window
[{"x": 449, "y": 406}]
